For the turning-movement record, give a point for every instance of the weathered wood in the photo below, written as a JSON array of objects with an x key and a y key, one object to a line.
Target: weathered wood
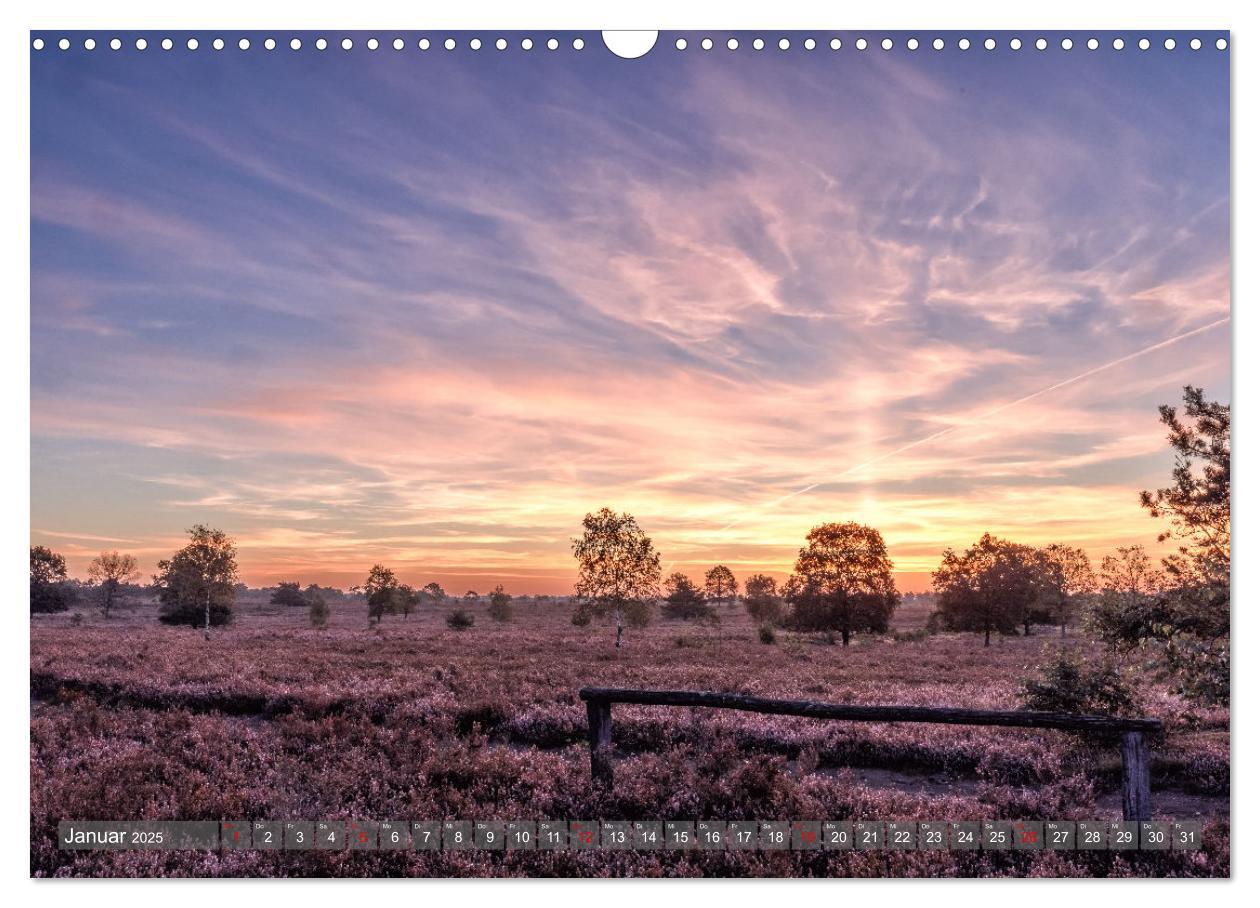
[
  {"x": 1135, "y": 798},
  {"x": 599, "y": 734},
  {"x": 853, "y": 713},
  {"x": 1135, "y": 795}
]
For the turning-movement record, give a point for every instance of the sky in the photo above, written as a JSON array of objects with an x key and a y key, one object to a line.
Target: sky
[{"x": 430, "y": 308}]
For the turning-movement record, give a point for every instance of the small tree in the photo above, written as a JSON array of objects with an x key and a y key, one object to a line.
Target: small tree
[
  {"x": 433, "y": 592},
  {"x": 761, "y": 598},
  {"x": 110, "y": 570},
  {"x": 381, "y": 590},
  {"x": 471, "y": 596},
  {"x": 618, "y": 569},
  {"x": 1128, "y": 606},
  {"x": 720, "y": 585},
  {"x": 500, "y": 605},
  {"x": 197, "y": 585},
  {"x": 406, "y": 598},
  {"x": 843, "y": 581},
  {"x": 459, "y": 620},
  {"x": 683, "y": 600},
  {"x": 318, "y": 609},
  {"x": 50, "y": 591},
  {"x": 989, "y": 587},
  {"x": 1066, "y": 578},
  {"x": 288, "y": 593}
]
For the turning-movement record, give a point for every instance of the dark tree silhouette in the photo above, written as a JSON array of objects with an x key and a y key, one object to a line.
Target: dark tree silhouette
[
  {"x": 110, "y": 570},
  {"x": 197, "y": 585},
  {"x": 987, "y": 588},
  {"x": 288, "y": 593},
  {"x": 50, "y": 591},
  {"x": 500, "y": 605},
  {"x": 720, "y": 585},
  {"x": 683, "y": 599},
  {"x": 842, "y": 581},
  {"x": 1066, "y": 578},
  {"x": 381, "y": 590},
  {"x": 618, "y": 570},
  {"x": 1196, "y": 505},
  {"x": 761, "y": 598}
]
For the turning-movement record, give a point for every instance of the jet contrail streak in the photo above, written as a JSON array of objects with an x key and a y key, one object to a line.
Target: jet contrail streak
[{"x": 983, "y": 416}]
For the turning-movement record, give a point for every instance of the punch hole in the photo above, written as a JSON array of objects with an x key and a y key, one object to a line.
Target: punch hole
[{"x": 630, "y": 45}]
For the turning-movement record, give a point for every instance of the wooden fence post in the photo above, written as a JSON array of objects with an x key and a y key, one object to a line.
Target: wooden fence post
[
  {"x": 599, "y": 733},
  {"x": 1136, "y": 792}
]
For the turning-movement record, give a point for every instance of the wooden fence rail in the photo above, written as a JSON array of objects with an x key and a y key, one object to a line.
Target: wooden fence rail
[{"x": 1134, "y": 753}]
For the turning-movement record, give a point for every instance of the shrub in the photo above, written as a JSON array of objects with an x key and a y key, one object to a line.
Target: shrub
[
  {"x": 685, "y": 642},
  {"x": 50, "y": 591},
  {"x": 500, "y": 605},
  {"x": 766, "y": 634},
  {"x": 580, "y": 618},
  {"x": 913, "y": 636},
  {"x": 288, "y": 593},
  {"x": 1065, "y": 683},
  {"x": 459, "y": 620},
  {"x": 318, "y": 610},
  {"x": 76, "y": 619}
]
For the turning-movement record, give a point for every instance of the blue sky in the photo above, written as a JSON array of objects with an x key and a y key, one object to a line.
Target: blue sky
[{"x": 431, "y": 307}]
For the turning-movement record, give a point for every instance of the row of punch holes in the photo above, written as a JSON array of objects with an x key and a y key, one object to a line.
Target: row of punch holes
[{"x": 706, "y": 44}]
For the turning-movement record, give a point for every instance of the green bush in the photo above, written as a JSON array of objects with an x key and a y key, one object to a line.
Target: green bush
[
  {"x": 766, "y": 634},
  {"x": 459, "y": 620}
]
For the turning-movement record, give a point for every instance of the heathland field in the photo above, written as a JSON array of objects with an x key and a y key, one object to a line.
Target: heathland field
[{"x": 272, "y": 719}]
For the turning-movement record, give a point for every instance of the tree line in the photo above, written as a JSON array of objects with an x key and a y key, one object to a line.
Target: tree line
[{"x": 842, "y": 579}]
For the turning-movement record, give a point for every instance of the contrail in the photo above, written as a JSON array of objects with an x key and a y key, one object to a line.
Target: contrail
[{"x": 983, "y": 416}]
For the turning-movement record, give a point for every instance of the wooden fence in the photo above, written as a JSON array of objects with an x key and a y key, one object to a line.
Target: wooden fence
[{"x": 1134, "y": 753}]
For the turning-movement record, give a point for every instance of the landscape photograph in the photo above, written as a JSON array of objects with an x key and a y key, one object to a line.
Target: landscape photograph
[{"x": 443, "y": 428}]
